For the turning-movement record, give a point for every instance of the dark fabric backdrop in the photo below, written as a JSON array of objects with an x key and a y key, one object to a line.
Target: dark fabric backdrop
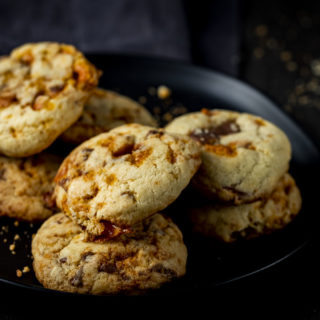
[{"x": 185, "y": 30}]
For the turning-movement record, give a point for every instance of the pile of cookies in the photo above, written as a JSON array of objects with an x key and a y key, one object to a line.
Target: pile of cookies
[
  {"x": 112, "y": 187},
  {"x": 109, "y": 236},
  {"x": 103, "y": 231},
  {"x": 244, "y": 175}
]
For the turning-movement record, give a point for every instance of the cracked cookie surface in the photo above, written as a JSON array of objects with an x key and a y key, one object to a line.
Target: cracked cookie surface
[
  {"x": 243, "y": 156},
  {"x": 104, "y": 111},
  {"x": 154, "y": 253},
  {"x": 43, "y": 88},
  {"x": 116, "y": 179},
  {"x": 230, "y": 223},
  {"x": 26, "y": 186}
]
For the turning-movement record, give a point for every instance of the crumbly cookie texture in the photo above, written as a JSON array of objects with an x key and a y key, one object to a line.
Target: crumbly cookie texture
[
  {"x": 119, "y": 178},
  {"x": 104, "y": 111},
  {"x": 243, "y": 156},
  {"x": 231, "y": 223},
  {"x": 26, "y": 186},
  {"x": 43, "y": 88},
  {"x": 151, "y": 255}
]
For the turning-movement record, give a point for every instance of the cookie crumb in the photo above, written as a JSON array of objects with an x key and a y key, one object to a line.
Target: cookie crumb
[
  {"x": 163, "y": 92},
  {"x": 261, "y": 30},
  {"x": 12, "y": 247},
  {"x": 291, "y": 66},
  {"x": 142, "y": 100},
  {"x": 26, "y": 269},
  {"x": 19, "y": 273},
  {"x": 5, "y": 240},
  {"x": 16, "y": 223},
  {"x": 16, "y": 237},
  {"x": 258, "y": 53},
  {"x": 167, "y": 116},
  {"x": 152, "y": 91},
  {"x": 285, "y": 56}
]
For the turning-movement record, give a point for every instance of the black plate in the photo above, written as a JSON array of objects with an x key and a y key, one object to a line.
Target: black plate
[{"x": 210, "y": 264}]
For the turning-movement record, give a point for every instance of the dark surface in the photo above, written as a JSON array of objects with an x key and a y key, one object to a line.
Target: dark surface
[
  {"x": 209, "y": 264},
  {"x": 280, "y": 55}
]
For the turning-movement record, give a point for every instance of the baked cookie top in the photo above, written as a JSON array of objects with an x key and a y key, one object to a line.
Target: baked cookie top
[
  {"x": 43, "y": 88},
  {"x": 119, "y": 178},
  {"x": 26, "y": 186},
  {"x": 231, "y": 223},
  {"x": 152, "y": 254},
  {"x": 104, "y": 111},
  {"x": 243, "y": 155}
]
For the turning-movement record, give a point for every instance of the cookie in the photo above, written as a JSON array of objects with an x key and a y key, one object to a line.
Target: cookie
[
  {"x": 245, "y": 221},
  {"x": 243, "y": 156},
  {"x": 104, "y": 111},
  {"x": 154, "y": 253},
  {"x": 26, "y": 186},
  {"x": 43, "y": 88},
  {"x": 116, "y": 179}
]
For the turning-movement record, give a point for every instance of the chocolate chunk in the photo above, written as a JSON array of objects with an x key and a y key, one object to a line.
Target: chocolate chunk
[
  {"x": 62, "y": 183},
  {"x": 48, "y": 200},
  {"x": 123, "y": 150},
  {"x": 108, "y": 267},
  {"x": 212, "y": 135},
  {"x": 56, "y": 89},
  {"x": 2, "y": 174},
  {"x": 76, "y": 281},
  {"x": 63, "y": 260},
  {"x": 85, "y": 255},
  {"x": 155, "y": 132},
  {"x": 159, "y": 268},
  {"x": 86, "y": 153},
  {"x": 227, "y": 127}
]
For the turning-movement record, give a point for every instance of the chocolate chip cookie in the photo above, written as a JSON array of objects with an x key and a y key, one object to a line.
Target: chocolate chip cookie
[
  {"x": 119, "y": 178},
  {"x": 154, "y": 253},
  {"x": 104, "y": 111},
  {"x": 43, "y": 88},
  {"x": 26, "y": 186},
  {"x": 230, "y": 223},
  {"x": 243, "y": 156}
]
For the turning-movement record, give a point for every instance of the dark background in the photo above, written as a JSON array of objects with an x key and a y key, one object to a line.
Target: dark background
[{"x": 271, "y": 45}]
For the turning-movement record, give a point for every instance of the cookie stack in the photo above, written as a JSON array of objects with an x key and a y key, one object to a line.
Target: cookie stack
[
  {"x": 110, "y": 237},
  {"x": 48, "y": 91},
  {"x": 245, "y": 160}
]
